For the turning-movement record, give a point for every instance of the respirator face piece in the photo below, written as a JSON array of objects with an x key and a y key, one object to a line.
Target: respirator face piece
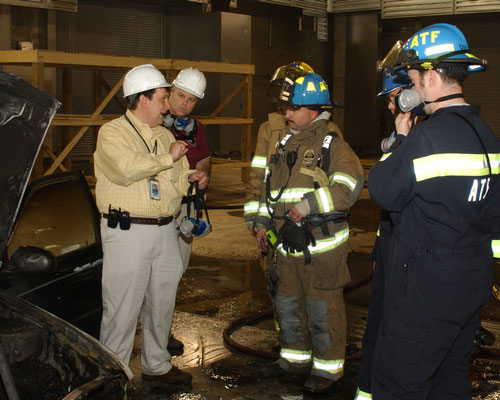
[
  {"x": 195, "y": 227},
  {"x": 408, "y": 100},
  {"x": 190, "y": 227}
]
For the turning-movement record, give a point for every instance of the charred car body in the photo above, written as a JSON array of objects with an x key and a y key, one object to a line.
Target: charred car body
[{"x": 50, "y": 260}]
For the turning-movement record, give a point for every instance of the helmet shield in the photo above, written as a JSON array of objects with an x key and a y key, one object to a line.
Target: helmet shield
[
  {"x": 293, "y": 70},
  {"x": 391, "y": 57}
]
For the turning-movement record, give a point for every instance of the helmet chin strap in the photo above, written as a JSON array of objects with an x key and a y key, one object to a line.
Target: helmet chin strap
[{"x": 421, "y": 106}]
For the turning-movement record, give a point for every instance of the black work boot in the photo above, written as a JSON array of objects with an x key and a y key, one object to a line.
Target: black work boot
[
  {"x": 274, "y": 370},
  {"x": 318, "y": 384},
  {"x": 175, "y": 347}
]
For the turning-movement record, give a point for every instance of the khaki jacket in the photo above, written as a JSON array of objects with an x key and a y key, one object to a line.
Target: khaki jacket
[
  {"x": 343, "y": 185},
  {"x": 269, "y": 135}
]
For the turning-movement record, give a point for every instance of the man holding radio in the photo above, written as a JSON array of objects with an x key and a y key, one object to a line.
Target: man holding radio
[{"x": 141, "y": 176}]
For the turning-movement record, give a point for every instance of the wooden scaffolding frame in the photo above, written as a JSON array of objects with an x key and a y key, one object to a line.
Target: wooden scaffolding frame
[{"x": 41, "y": 59}]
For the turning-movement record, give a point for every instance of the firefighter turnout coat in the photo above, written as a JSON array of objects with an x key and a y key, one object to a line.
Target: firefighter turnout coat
[
  {"x": 309, "y": 301},
  {"x": 269, "y": 135},
  {"x": 442, "y": 187}
]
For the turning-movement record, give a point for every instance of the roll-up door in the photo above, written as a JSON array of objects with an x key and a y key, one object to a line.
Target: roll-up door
[{"x": 110, "y": 27}]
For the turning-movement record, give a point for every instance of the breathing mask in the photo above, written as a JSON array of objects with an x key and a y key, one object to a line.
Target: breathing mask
[
  {"x": 182, "y": 128},
  {"x": 195, "y": 227},
  {"x": 409, "y": 100}
]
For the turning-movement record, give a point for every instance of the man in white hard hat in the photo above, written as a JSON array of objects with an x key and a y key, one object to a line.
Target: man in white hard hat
[
  {"x": 141, "y": 174},
  {"x": 188, "y": 87}
]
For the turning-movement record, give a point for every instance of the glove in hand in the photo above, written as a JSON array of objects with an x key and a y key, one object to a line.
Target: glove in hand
[{"x": 295, "y": 237}]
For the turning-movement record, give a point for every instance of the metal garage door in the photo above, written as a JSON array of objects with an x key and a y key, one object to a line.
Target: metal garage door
[{"x": 111, "y": 27}]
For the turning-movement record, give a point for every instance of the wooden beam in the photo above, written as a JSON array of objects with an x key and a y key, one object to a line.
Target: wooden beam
[
  {"x": 81, "y": 132},
  {"x": 238, "y": 164},
  {"x": 228, "y": 99},
  {"x": 246, "y": 134},
  {"x": 85, "y": 119},
  {"x": 38, "y": 80},
  {"x": 67, "y": 107},
  {"x": 53, "y": 156},
  {"x": 104, "y": 61},
  {"x": 119, "y": 100}
]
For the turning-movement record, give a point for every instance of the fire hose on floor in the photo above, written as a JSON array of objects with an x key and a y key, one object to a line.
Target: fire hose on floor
[
  {"x": 254, "y": 318},
  {"x": 483, "y": 338}
]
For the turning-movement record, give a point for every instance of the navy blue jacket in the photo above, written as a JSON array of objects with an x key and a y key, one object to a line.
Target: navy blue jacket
[{"x": 437, "y": 183}]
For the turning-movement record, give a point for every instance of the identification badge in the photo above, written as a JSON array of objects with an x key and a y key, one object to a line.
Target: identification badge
[{"x": 154, "y": 188}]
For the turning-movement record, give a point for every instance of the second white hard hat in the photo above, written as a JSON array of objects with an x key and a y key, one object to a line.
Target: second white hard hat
[
  {"x": 192, "y": 81},
  {"x": 141, "y": 78}
]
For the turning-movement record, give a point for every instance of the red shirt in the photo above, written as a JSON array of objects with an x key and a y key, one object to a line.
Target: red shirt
[{"x": 199, "y": 150}]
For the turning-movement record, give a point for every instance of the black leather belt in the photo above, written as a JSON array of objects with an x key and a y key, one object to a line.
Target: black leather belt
[{"x": 148, "y": 221}]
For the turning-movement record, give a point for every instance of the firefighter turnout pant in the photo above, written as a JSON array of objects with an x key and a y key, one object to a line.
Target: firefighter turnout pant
[
  {"x": 311, "y": 314},
  {"x": 430, "y": 316}
]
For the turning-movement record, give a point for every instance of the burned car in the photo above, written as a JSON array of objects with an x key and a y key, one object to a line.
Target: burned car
[{"x": 50, "y": 267}]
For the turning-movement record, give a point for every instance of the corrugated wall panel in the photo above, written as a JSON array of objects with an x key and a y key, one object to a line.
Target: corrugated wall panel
[
  {"x": 408, "y": 8},
  {"x": 483, "y": 37},
  {"x": 63, "y": 5},
  {"x": 336, "y": 6},
  {"x": 476, "y": 6},
  {"x": 110, "y": 27}
]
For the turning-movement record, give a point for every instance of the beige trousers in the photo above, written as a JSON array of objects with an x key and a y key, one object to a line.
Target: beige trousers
[
  {"x": 185, "y": 243},
  {"x": 142, "y": 268}
]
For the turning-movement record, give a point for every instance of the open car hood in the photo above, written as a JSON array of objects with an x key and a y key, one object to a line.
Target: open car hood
[
  {"x": 25, "y": 115},
  {"x": 51, "y": 359}
]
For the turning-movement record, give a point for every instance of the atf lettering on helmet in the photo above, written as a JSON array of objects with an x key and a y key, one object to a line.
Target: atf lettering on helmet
[
  {"x": 307, "y": 90},
  {"x": 438, "y": 44},
  {"x": 423, "y": 37}
]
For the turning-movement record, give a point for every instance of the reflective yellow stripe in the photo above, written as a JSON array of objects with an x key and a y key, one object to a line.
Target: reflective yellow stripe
[
  {"x": 378, "y": 231},
  {"x": 343, "y": 179},
  {"x": 322, "y": 245},
  {"x": 259, "y": 162},
  {"x": 495, "y": 246},
  {"x": 263, "y": 211},
  {"x": 330, "y": 366},
  {"x": 296, "y": 356},
  {"x": 454, "y": 164},
  {"x": 251, "y": 207},
  {"x": 385, "y": 156},
  {"x": 324, "y": 200},
  {"x": 292, "y": 194},
  {"x": 360, "y": 395}
]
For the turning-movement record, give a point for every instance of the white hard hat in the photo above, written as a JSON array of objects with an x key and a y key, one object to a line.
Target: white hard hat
[
  {"x": 141, "y": 78},
  {"x": 192, "y": 81}
]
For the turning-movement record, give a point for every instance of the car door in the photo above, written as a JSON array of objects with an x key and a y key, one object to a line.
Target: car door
[{"x": 58, "y": 214}]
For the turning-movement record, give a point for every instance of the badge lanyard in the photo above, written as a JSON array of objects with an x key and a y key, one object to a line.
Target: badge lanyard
[{"x": 153, "y": 183}]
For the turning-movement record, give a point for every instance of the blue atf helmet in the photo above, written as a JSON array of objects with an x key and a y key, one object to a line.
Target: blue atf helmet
[
  {"x": 392, "y": 81},
  {"x": 439, "y": 46},
  {"x": 309, "y": 90}
]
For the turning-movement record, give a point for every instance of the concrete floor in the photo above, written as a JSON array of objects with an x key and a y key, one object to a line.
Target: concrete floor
[{"x": 224, "y": 282}]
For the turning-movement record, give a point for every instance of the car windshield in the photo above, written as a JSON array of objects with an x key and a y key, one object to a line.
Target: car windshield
[{"x": 57, "y": 218}]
